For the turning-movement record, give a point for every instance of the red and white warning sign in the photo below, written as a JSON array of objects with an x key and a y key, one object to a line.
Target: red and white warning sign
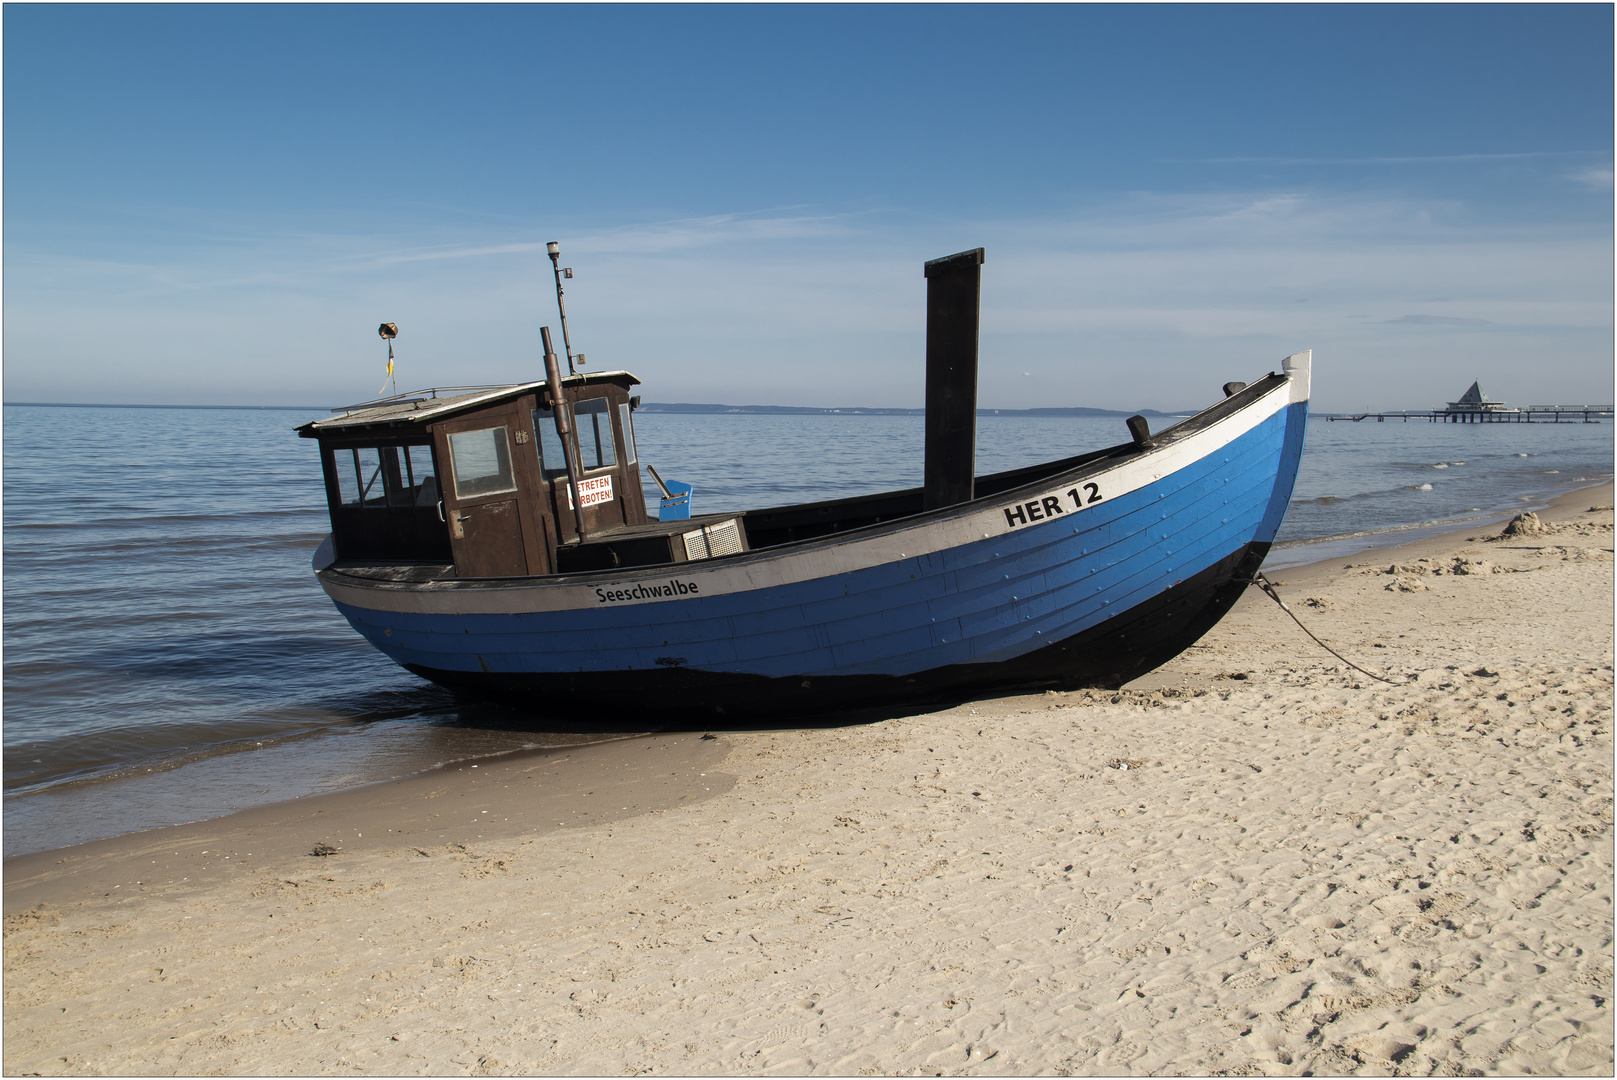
[{"x": 594, "y": 490}]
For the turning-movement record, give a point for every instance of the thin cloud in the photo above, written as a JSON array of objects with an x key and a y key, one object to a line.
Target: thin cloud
[
  {"x": 456, "y": 253},
  {"x": 1426, "y": 159},
  {"x": 1598, "y": 179},
  {"x": 680, "y": 234},
  {"x": 686, "y": 233},
  {"x": 1242, "y": 220},
  {"x": 1435, "y": 320}
]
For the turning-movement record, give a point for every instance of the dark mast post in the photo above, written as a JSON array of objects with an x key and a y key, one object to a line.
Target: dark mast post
[
  {"x": 562, "y": 411},
  {"x": 953, "y": 291}
]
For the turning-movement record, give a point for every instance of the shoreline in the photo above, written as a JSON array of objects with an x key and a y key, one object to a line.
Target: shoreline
[
  {"x": 255, "y": 820},
  {"x": 1347, "y": 545},
  {"x": 1265, "y": 863},
  {"x": 521, "y": 793},
  {"x": 1563, "y": 507}
]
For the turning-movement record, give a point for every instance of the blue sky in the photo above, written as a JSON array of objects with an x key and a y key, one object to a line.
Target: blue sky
[{"x": 218, "y": 204}]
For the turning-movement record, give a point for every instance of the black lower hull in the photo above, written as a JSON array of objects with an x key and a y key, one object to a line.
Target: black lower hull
[{"x": 1105, "y": 656}]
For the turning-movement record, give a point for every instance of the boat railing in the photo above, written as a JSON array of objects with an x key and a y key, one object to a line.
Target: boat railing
[{"x": 413, "y": 396}]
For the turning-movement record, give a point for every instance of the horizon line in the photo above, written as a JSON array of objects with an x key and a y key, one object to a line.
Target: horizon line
[
  {"x": 699, "y": 408},
  {"x": 692, "y": 408}
]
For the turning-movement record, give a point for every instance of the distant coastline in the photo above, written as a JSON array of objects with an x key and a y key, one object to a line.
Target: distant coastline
[
  {"x": 671, "y": 407},
  {"x": 803, "y": 410},
  {"x": 105, "y": 405}
]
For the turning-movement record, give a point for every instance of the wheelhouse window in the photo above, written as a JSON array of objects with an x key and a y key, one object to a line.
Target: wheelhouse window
[
  {"x": 359, "y": 473},
  {"x": 384, "y": 504},
  {"x": 552, "y": 458},
  {"x": 595, "y": 443},
  {"x": 380, "y": 477},
  {"x": 422, "y": 476},
  {"x": 481, "y": 461},
  {"x": 626, "y": 416},
  {"x": 597, "y": 446}
]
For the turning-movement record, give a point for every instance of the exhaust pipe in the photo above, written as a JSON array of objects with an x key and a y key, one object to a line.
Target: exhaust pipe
[{"x": 953, "y": 294}]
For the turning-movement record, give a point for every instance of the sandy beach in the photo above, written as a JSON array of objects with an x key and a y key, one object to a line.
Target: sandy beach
[{"x": 1254, "y": 861}]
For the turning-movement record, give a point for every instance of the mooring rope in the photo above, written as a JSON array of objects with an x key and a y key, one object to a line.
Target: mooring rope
[{"x": 1268, "y": 587}]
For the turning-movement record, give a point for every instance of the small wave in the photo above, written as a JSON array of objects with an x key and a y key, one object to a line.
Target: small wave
[
  {"x": 1441, "y": 465},
  {"x": 1448, "y": 523},
  {"x": 1335, "y": 501},
  {"x": 160, "y": 761},
  {"x": 1550, "y": 472},
  {"x": 575, "y": 742},
  {"x": 1456, "y": 463}
]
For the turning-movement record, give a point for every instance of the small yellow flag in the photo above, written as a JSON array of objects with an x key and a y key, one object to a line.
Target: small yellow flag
[{"x": 388, "y": 331}]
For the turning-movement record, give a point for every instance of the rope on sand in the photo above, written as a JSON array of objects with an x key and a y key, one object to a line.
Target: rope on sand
[{"x": 1268, "y": 587}]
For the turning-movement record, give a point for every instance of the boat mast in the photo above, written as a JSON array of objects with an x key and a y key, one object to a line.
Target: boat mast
[
  {"x": 561, "y": 305},
  {"x": 563, "y": 414}
]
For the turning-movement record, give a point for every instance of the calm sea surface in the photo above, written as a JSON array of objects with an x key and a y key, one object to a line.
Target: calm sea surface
[{"x": 169, "y": 656}]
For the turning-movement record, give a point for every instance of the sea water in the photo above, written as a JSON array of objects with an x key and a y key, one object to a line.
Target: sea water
[{"x": 169, "y": 656}]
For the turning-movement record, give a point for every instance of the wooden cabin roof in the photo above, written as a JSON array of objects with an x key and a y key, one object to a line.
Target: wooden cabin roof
[{"x": 426, "y": 406}]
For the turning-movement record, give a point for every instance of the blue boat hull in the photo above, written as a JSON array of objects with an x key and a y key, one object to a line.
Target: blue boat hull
[
  {"x": 1089, "y": 577},
  {"x": 1106, "y": 656}
]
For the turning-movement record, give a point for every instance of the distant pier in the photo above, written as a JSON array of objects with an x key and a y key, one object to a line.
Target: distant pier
[
  {"x": 1529, "y": 414},
  {"x": 1476, "y": 407}
]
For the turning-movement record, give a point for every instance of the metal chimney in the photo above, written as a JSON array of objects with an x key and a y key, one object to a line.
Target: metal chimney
[{"x": 953, "y": 291}]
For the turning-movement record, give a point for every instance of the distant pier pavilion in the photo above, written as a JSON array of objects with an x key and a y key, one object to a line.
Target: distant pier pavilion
[{"x": 1476, "y": 407}]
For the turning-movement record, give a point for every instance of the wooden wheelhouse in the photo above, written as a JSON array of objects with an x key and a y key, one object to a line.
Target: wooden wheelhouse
[{"x": 480, "y": 478}]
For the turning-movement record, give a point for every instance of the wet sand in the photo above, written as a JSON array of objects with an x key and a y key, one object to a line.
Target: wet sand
[
  {"x": 1255, "y": 860},
  {"x": 529, "y": 795}
]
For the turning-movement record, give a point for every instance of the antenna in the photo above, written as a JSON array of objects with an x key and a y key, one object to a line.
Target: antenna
[
  {"x": 561, "y": 305},
  {"x": 388, "y": 331}
]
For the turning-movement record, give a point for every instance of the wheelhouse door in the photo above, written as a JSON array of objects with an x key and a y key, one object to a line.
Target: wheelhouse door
[
  {"x": 609, "y": 492},
  {"x": 483, "y": 493}
]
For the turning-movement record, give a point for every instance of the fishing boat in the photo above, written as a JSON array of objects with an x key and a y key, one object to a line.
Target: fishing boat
[{"x": 497, "y": 540}]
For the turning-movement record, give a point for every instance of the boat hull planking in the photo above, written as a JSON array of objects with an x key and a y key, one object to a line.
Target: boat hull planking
[{"x": 1105, "y": 656}]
